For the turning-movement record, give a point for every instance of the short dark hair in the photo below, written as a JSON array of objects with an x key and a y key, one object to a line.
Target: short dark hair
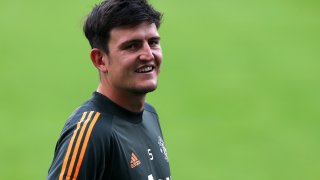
[{"x": 116, "y": 13}]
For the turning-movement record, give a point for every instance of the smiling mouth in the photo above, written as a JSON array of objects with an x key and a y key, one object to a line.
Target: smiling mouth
[{"x": 144, "y": 69}]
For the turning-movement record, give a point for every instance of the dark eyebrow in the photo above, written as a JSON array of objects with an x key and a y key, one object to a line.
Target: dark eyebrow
[
  {"x": 125, "y": 43},
  {"x": 155, "y": 38}
]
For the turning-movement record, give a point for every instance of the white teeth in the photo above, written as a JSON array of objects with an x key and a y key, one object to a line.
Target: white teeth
[{"x": 145, "y": 69}]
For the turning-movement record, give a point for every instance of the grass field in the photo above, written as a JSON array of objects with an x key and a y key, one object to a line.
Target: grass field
[{"x": 238, "y": 97}]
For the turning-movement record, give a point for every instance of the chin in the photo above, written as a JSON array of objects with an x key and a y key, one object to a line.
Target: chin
[{"x": 145, "y": 89}]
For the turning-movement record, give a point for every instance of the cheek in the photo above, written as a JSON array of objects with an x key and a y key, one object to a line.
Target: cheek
[{"x": 158, "y": 56}]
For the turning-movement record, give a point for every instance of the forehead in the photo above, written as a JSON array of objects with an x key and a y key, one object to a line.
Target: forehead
[{"x": 144, "y": 30}]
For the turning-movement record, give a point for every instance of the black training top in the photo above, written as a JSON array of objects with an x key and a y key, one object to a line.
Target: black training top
[{"x": 103, "y": 141}]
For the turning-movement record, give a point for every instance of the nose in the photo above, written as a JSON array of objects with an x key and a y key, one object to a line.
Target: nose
[{"x": 146, "y": 53}]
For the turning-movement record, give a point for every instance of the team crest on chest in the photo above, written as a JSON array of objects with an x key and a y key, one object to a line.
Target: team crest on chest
[{"x": 163, "y": 149}]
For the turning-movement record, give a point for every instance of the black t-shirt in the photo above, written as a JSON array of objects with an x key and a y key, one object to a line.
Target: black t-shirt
[{"x": 103, "y": 141}]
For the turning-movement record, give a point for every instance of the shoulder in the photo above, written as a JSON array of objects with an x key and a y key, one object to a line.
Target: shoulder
[
  {"x": 89, "y": 118},
  {"x": 88, "y": 110},
  {"x": 86, "y": 135},
  {"x": 148, "y": 107},
  {"x": 87, "y": 128},
  {"x": 150, "y": 112},
  {"x": 82, "y": 113}
]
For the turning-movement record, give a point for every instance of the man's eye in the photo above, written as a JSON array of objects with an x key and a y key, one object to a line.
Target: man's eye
[
  {"x": 153, "y": 43},
  {"x": 131, "y": 46}
]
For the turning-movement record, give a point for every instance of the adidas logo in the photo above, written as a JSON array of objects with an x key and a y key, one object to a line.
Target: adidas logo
[{"x": 134, "y": 160}]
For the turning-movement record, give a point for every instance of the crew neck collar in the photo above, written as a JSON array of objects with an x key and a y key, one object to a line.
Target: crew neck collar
[{"x": 108, "y": 105}]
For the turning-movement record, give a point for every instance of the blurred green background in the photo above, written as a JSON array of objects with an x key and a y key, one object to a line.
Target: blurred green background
[{"x": 238, "y": 97}]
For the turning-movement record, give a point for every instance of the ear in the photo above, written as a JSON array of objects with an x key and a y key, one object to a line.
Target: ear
[{"x": 99, "y": 60}]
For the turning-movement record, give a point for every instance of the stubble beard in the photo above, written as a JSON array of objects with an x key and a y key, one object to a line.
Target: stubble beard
[
  {"x": 146, "y": 87},
  {"x": 143, "y": 90}
]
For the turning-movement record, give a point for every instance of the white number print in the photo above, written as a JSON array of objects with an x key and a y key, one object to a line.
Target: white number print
[
  {"x": 150, "y": 177},
  {"x": 151, "y": 157}
]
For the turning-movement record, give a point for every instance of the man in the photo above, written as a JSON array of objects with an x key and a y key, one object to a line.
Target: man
[{"x": 116, "y": 134}]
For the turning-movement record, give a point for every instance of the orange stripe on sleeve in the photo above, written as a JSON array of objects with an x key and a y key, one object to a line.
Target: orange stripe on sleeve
[
  {"x": 76, "y": 148},
  {"x": 65, "y": 161},
  {"x": 85, "y": 143}
]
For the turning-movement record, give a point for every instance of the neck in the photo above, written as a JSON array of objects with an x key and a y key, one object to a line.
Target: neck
[{"x": 129, "y": 101}]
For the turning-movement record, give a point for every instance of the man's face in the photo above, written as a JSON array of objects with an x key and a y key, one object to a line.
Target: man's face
[{"x": 134, "y": 58}]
